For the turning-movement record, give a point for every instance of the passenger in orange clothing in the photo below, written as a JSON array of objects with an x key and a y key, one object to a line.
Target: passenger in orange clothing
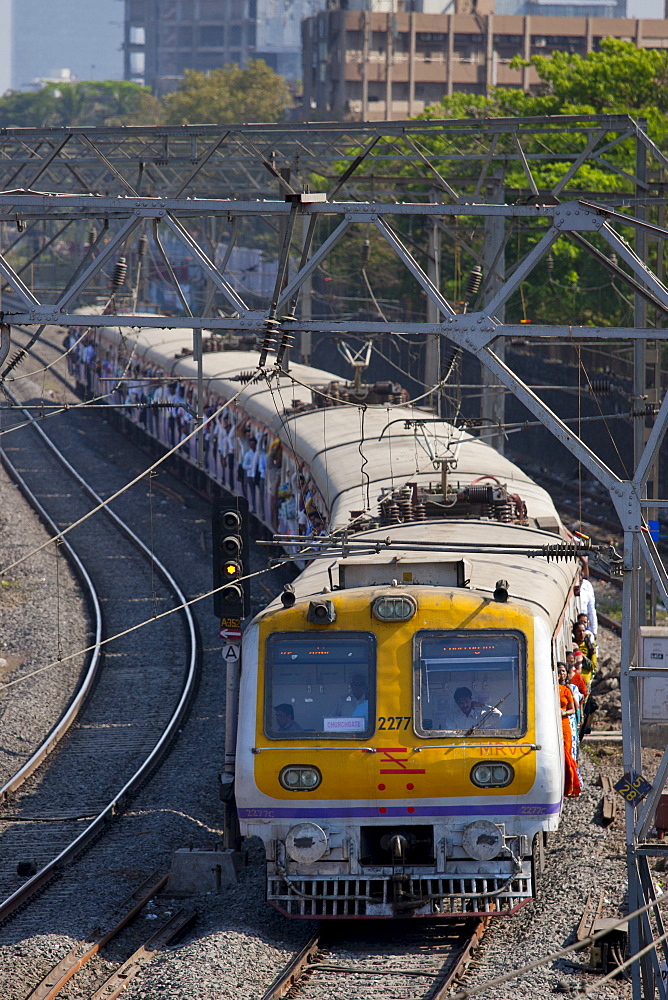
[
  {"x": 574, "y": 675},
  {"x": 572, "y": 783}
]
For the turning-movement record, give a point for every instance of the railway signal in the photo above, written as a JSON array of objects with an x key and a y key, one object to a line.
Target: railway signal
[{"x": 230, "y": 558}]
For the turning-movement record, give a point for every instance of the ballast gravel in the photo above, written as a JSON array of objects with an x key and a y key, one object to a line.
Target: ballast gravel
[
  {"x": 238, "y": 943},
  {"x": 43, "y": 616}
]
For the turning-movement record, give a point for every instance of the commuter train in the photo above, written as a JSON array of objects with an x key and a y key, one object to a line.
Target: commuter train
[{"x": 399, "y": 743}]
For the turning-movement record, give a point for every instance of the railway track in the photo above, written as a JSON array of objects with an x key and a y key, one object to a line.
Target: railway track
[
  {"x": 126, "y": 712},
  {"x": 414, "y": 962},
  {"x": 85, "y": 969}
]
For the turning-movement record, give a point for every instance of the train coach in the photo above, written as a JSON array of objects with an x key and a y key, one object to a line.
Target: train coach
[{"x": 399, "y": 743}]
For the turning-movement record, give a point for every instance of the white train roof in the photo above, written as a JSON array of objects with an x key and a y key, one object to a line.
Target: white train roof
[
  {"x": 351, "y": 454},
  {"x": 533, "y": 582}
]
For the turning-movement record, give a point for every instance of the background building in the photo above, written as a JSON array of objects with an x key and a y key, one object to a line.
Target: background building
[
  {"x": 165, "y": 37},
  {"x": 563, "y": 8},
  {"x": 374, "y": 66}
]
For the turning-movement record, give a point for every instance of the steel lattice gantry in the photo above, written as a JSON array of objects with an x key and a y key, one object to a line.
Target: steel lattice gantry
[{"x": 298, "y": 191}]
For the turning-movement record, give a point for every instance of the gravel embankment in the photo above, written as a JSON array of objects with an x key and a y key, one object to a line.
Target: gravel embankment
[{"x": 42, "y": 615}]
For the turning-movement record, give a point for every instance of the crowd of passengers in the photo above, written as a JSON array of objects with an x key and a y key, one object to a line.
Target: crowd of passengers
[
  {"x": 575, "y": 680},
  {"x": 238, "y": 453}
]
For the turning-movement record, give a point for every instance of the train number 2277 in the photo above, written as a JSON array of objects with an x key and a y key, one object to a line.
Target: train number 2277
[{"x": 394, "y": 721}]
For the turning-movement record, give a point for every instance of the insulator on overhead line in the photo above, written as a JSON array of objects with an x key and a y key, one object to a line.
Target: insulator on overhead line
[
  {"x": 550, "y": 264},
  {"x": 92, "y": 236},
  {"x": 613, "y": 258},
  {"x": 601, "y": 385},
  {"x": 119, "y": 274},
  {"x": 142, "y": 247},
  {"x": 271, "y": 329},
  {"x": 474, "y": 281},
  {"x": 366, "y": 252}
]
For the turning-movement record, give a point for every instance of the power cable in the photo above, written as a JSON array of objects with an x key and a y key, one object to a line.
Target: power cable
[
  {"x": 366, "y": 504},
  {"x": 133, "y": 482},
  {"x": 553, "y": 956},
  {"x": 601, "y": 415},
  {"x": 76, "y": 406},
  {"x": 351, "y": 402},
  {"x": 147, "y": 621}
]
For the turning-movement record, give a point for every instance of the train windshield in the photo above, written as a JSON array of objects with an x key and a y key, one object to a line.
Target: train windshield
[
  {"x": 320, "y": 686},
  {"x": 469, "y": 683}
]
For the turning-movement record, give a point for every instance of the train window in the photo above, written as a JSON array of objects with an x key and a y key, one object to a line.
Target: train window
[
  {"x": 320, "y": 686},
  {"x": 469, "y": 682}
]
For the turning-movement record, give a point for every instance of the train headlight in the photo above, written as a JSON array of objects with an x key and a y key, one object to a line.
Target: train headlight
[
  {"x": 300, "y": 779},
  {"x": 306, "y": 843},
  {"x": 482, "y": 840},
  {"x": 496, "y": 775},
  {"x": 394, "y": 609}
]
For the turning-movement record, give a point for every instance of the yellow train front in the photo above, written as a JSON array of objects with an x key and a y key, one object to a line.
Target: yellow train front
[{"x": 399, "y": 744}]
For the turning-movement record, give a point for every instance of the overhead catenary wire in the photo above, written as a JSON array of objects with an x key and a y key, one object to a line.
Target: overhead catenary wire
[
  {"x": 132, "y": 482},
  {"x": 58, "y": 408},
  {"x": 147, "y": 621},
  {"x": 351, "y": 402},
  {"x": 73, "y": 406}
]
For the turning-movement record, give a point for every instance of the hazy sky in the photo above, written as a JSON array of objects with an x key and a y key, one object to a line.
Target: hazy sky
[
  {"x": 83, "y": 36},
  {"x": 645, "y": 8},
  {"x": 5, "y": 45}
]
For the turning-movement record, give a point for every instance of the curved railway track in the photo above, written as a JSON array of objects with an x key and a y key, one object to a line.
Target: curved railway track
[
  {"x": 127, "y": 710},
  {"x": 414, "y": 962}
]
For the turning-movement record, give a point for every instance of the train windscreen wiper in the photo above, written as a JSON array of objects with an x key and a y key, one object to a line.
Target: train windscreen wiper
[{"x": 469, "y": 732}]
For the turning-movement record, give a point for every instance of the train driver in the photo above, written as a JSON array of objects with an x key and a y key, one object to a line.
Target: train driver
[
  {"x": 285, "y": 719},
  {"x": 468, "y": 713}
]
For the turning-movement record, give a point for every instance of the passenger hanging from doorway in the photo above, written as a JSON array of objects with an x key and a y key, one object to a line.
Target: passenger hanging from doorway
[
  {"x": 572, "y": 782},
  {"x": 587, "y": 597},
  {"x": 574, "y": 675},
  {"x": 587, "y": 646},
  {"x": 584, "y": 668},
  {"x": 249, "y": 465}
]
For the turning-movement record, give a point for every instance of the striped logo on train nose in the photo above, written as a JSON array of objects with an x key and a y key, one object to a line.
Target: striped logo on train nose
[{"x": 392, "y": 756}]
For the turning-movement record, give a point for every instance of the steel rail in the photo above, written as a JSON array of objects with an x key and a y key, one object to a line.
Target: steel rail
[
  {"x": 287, "y": 981},
  {"x": 82, "y": 953},
  {"x": 445, "y": 983},
  {"x": 88, "y": 678},
  {"x": 294, "y": 969},
  {"x": 29, "y": 888}
]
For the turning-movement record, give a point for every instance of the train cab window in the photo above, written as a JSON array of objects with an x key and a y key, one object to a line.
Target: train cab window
[
  {"x": 320, "y": 686},
  {"x": 469, "y": 683}
]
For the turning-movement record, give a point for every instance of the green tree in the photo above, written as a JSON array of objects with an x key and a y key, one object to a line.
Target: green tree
[
  {"x": 619, "y": 78},
  {"x": 230, "y": 94},
  {"x": 96, "y": 102}
]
